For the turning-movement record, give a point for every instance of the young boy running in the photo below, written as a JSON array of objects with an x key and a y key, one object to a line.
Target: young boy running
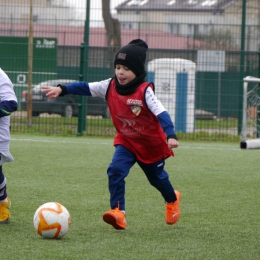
[
  {"x": 145, "y": 132},
  {"x": 8, "y": 104}
]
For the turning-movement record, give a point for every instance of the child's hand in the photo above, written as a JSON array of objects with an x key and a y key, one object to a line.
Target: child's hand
[
  {"x": 172, "y": 143},
  {"x": 51, "y": 92}
]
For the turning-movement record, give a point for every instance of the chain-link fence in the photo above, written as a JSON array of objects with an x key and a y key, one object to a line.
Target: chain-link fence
[{"x": 199, "y": 52}]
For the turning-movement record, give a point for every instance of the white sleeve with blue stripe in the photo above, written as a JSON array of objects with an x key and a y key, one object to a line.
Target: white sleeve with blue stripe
[
  {"x": 159, "y": 110},
  {"x": 94, "y": 89}
]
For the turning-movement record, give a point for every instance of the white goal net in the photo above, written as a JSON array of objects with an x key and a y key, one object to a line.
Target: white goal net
[{"x": 250, "y": 135}]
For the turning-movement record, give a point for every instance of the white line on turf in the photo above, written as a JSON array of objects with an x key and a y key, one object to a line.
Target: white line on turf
[
  {"x": 110, "y": 143},
  {"x": 54, "y": 141}
]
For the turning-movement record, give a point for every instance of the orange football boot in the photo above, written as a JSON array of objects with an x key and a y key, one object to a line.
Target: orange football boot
[
  {"x": 116, "y": 218},
  {"x": 173, "y": 212}
]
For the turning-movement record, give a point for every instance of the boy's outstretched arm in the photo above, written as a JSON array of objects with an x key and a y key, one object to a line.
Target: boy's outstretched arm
[{"x": 74, "y": 88}]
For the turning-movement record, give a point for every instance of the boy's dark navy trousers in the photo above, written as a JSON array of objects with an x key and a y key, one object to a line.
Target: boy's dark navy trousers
[{"x": 119, "y": 168}]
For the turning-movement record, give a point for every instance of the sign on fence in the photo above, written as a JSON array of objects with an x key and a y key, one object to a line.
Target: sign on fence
[
  {"x": 14, "y": 59},
  {"x": 210, "y": 60}
]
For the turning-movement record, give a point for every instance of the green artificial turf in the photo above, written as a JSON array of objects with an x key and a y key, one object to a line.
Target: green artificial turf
[{"x": 220, "y": 205}]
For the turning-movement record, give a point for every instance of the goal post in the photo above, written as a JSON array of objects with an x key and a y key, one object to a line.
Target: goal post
[{"x": 251, "y": 115}]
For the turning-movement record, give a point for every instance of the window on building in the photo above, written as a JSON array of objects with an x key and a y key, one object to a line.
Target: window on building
[
  {"x": 26, "y": 17},
  {"x": 206, "y": 29},
  {"x": 126, "y": 25},
  {"x": 174, "y": 28},
  {"x": 193, "y": 29}
]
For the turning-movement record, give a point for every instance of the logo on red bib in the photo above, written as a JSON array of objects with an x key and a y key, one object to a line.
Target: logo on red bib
[{"x": 136, "y": 110}]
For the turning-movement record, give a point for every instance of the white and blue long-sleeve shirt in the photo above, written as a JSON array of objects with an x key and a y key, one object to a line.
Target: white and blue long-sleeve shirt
[
  {"x": 99, "y": 89},
  {"x": 8, "y": 104}
]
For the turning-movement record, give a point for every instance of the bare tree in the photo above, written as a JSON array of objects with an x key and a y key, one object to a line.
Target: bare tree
[
  {"x": 215, "y": 40},
  {"x": 112, "y": 26}
]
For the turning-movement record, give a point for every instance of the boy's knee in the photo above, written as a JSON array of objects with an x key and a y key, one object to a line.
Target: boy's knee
[{"x": 113, "y": 169}]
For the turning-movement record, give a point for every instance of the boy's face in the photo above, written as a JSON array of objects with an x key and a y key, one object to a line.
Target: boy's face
[{"x": 124, "y": 75}]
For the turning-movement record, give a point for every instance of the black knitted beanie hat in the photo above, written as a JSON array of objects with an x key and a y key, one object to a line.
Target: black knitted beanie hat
[{"x": 133, "y": 56}]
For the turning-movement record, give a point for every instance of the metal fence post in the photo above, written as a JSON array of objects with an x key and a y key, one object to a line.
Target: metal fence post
[
  {"x": 82, "y": 122},
  {"x": 82, "y": 99},
  {"x": 242, "y": 67},
  {"x": 258, "y": 108}
]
